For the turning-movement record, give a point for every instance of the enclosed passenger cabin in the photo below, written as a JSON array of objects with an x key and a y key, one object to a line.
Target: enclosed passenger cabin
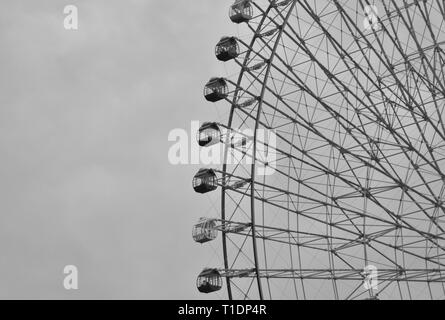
[
  {"x": 205, "y": 230},
  {"x": 216, "y": 89},
  {"x": 205, "y": 181},
  {"x": 209, "y": 280},
  {"x": 227, "y": 49},
  {"x": 241, "y": 11},
  {"x": 209, "y": 134}
]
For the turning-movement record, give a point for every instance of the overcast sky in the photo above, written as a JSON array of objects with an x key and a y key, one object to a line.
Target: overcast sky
[{"x": 85, "y": 116}]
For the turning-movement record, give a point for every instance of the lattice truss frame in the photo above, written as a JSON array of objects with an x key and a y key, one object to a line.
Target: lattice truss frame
[{"x": 359, "y": 157}]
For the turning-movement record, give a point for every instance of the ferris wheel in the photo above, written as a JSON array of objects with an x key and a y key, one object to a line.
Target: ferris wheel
[{"x": 347, "y": 200}]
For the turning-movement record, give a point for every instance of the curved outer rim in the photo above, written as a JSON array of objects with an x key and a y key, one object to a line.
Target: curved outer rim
[
  {"x": 253, "y": 166},
  {"x": 224, "y": 168}
]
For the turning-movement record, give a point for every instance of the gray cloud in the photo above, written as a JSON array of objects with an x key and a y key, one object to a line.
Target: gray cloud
[{"x": 84, "y": 119}]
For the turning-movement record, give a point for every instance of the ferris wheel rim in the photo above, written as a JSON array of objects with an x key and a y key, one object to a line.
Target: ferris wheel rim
[{"x": 253, "y": 165}]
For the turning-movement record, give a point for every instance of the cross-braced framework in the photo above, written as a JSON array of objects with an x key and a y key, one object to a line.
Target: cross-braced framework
[{"x": 355, "y": 93}]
